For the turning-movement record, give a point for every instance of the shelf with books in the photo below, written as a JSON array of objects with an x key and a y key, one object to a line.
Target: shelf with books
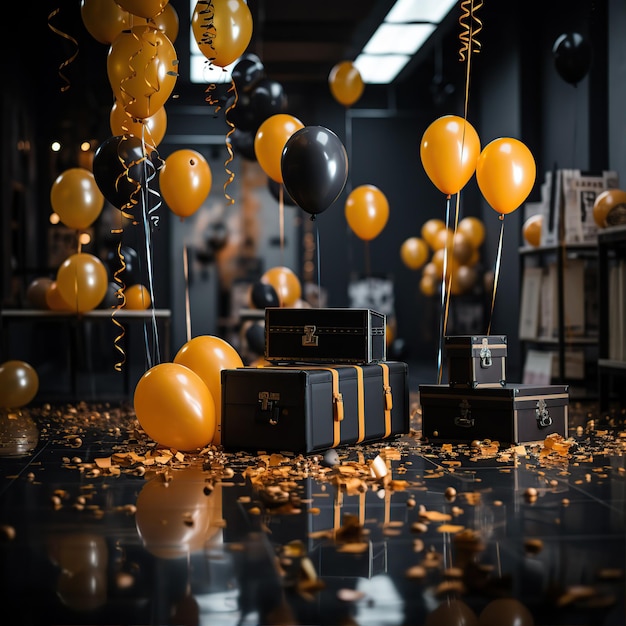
[{"x": 612, "y": 314}]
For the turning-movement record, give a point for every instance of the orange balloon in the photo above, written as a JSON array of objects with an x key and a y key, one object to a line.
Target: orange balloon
[
  {"x": 505, "y": 172},
  {"x": 207, "y": 356},
  {"x": 175, "y": 518},
  {"x": 462, "y": 249},
  {"x": 531, "y": 230},
  {"x": 345, "y": 82},
  {"x": 506, "y": 612},
  {"x": 430, "y": 228},
  {"x": 185, "y": 181},
  {"x": 82, "y": 281},
  {"x": 175, "y": 407},
  {"x": 439, "y": 259},
  {"x": 428, "y": 285},
  {"x": 143, "y": 8},
  {"x": 431, "y": 269},
  {"x": 463, "y": 279},
  {"x": 142, "y": 69},
  {"x": 104, "y": 19},
  {"x": 285, "y": 283},
  {"x": 76, "y": 198},
  {"x": 137, "y": 297},
  {"x": 449, "y": 150},
  {"x": 270, "y": 139},
  {"x": 166, "y": 21},
  {"x": 414, "y": 252},
  {"x": 443, "y": 238},
  {"x": 367, "y": 211},
  {"x": 605, "y": 202},
  {"x": 54, "y": 299},
  {"x": 19, "y": 384},
  {"x": 473, "y": 229},
  {"x": 151, "y": 130},
  {"x": 222, "y": 29}
]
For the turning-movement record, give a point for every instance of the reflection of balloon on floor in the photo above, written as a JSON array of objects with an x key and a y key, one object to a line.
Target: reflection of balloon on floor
[
  {"x": 452, "y": 612},
  {"x": 178, "y": 517},
  {"x": 607, "y": 206},
  {"x": 531, "y": 230},
  {"x": 19, "y": 384},
  {"x": 505, "y": 612},
  {"x": 207, "y": 356},
  {"x": 286, "y": 284},
  {"x": 175, "y": 407},
  {"x": 83, "y": 561}
]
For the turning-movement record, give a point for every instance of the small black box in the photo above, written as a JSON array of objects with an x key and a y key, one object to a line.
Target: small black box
[
  {"x": 301, "y": 409},
  {"x": 330, "y": 335},
  {"x": 476, "y": 360},
  {"x": 513, "y": 414}
]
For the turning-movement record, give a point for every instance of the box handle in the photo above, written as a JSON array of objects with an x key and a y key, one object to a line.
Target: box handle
[
  {"x": 267, "y": 411},
  {"x": 543, "y": 415},
  {"x": 485, "y": 354}
]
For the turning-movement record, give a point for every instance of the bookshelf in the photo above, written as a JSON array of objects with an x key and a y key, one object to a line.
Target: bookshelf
[{"x": 612, "y": 315}]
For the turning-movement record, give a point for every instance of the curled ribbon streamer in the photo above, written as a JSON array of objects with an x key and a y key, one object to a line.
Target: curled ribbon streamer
[
  {"x": 71, "y": 58},
  {"x": 229, "y": 147},
  {"x": 121, "y": 301},
  {"x": 469, "y": 43},
  {"x": 496, "y": 273}
]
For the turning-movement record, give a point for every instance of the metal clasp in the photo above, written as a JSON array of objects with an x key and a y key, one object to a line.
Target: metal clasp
[
  {"x": 485, "y": 354},
  {"x": 267, "y": 409},
  {"x": 543, "y": 416},
  {"x": 310, "y": 338},
  {"x": 465, "y": 420}
]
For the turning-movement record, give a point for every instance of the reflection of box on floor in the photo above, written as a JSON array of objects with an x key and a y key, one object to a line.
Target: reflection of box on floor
[{"x": 513, "y": 414}]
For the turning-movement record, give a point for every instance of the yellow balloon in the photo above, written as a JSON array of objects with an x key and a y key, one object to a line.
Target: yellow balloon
[
  {"x": 19, "y": 384},
  {"x": 104, "y": 19},
  {"x": 76, "y": 198},
  {"x": 367, "y": 211},
  {"x": 605, "y": 202},
  {"x": 505, "y": 173},
  {"x": 473, "y": 229},
  {"x": 151, "y": 130},
  {"x": 429, "y": 230},
  {"x": 428, "y": 285},
  {"x": 345, "y": 82},
  {"x": 142, "y": 70},
  {"x": 207, "y": 356},
  {"x": 414, "y": 252},
  {"x": 286, "y": 284},
  {"x": 143, "y": 8},
  {"x": 82, "y": 281},
  {"x": 531, "y": 230},
  {"x": 137, "y": 297},
  {"x": 54, "y": 299},
  {"x": 449, "y": 150},
  {"x": 222, "y": 29},
  {"x": 185, "y": 181},
  {"x": 270, "y": 139},
  {"x": 175, "y": 407}
]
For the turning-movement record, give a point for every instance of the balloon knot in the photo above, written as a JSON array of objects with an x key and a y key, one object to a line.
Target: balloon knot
[
  {"x": 501, "y": 217},
  {"x": 312, "y": 218}
]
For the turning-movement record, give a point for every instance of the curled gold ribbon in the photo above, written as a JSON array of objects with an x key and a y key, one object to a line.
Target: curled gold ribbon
[{"x": 71, "y": 58}]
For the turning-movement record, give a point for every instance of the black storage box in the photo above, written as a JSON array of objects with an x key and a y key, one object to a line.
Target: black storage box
[
  {"x": 301, "y": 409},
  {"x": 476, "y": 360},
  {"x": 332, "y": 335},
  {"x": 513, "y": 414}
]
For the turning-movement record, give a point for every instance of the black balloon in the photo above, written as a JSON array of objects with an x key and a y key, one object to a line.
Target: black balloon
[
  {"x": 247, "y": 72},
  {"x": 252, "y": 108},
  {"x": 314, "y": 165},
  {"x": 243, "y": 144},
  {"x": 274, "y": 188},
  {"x": 263, "y": 295},
  {"x": 572, "y": 57},
  {"x": 255, "y": 336},
  {"x": 121, "y": 169},
  {"x": 125, "y": 268}
]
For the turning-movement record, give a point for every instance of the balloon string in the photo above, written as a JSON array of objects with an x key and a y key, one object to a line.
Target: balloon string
[
  {"x": 444, "y": 301},
  {"x": 281, "y": 220},
  {"x": 187, "y": 306},
  {"x": 71, "y": 58},
  {"x": 496, "y": 273},
  {"x": 319, "y": 265},
  {"x": 449, "y": 247},
  {"x": 229, "y": 147}
]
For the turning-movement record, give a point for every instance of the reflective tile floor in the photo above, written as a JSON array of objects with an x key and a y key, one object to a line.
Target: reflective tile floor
[{"x": 100, "y": 526}]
